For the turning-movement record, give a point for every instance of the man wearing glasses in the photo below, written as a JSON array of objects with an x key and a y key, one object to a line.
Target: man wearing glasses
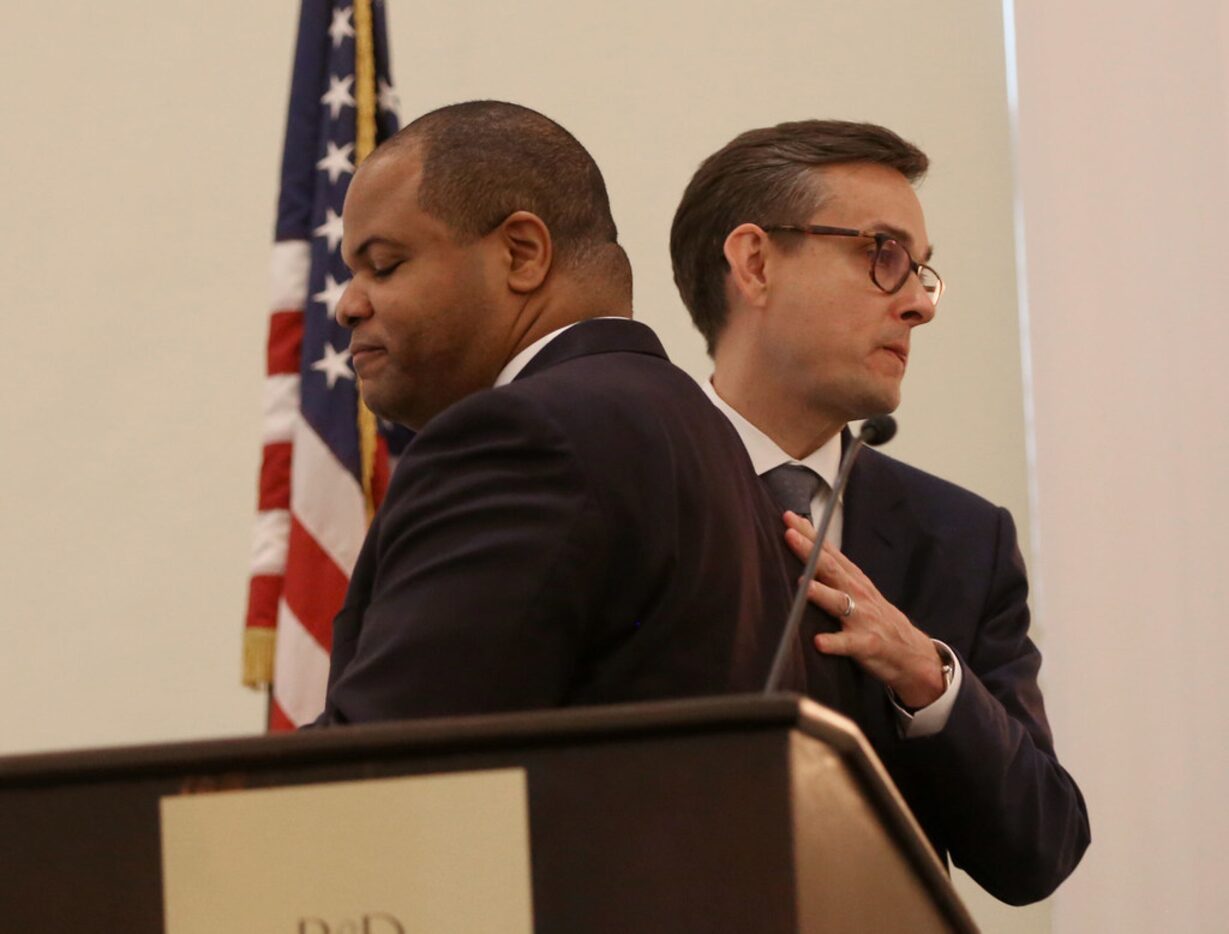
[{"x": 802, "y": 254}]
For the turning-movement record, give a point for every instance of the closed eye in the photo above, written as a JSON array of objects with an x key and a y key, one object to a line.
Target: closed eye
[{"x": 385, "y": 271}]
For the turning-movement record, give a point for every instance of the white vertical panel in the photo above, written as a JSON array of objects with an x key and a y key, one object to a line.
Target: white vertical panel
[{"x": 1125, "y": 178}]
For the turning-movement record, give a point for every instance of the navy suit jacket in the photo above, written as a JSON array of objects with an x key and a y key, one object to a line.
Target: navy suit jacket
[
  {"x": 988, "y": 788},
  {"x": 592, "y": 532}
]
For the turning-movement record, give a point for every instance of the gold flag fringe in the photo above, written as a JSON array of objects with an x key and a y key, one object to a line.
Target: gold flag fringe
[{"x": 258, "y": 647}]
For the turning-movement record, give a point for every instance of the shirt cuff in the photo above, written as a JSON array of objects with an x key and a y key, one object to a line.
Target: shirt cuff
[{"x": 929, "y": 720}]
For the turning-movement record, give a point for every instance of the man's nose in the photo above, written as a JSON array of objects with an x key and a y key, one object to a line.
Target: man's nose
[
  {"x": 920, "y": 304},
  {"x": 353, "y": 306}
]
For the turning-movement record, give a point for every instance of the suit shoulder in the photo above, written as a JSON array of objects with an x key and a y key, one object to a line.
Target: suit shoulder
[
  {"x": 489, "y": 415},
  {"x": 487, "y": 435},
  {"x": 613, "y": 378},
  {"x": 638, "y": 397},
  {"x": 929, "y": 494}
]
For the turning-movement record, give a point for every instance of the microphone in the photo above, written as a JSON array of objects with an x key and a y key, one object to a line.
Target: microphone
[{"x": 875, "y": 431}]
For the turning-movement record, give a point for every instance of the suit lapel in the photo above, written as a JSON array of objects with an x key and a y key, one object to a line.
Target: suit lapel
[{"x": 879, "y": 527}]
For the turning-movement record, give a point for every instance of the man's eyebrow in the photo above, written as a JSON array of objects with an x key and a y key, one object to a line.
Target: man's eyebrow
[
  {"x": 904, "y": 237},
  {"x": 368, "y": 244}
]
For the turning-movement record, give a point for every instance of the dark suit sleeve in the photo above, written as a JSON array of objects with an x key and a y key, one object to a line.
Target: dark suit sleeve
[
  {"x": 1012, "y": 816},
  {"x": 482, "y": 569}
]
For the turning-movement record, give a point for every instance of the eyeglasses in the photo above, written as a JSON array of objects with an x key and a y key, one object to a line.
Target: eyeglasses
[{"x": 891, "y": 264}]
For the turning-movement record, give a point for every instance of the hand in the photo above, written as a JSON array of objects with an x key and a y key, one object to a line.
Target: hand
[{"x": 876, "y": 635}]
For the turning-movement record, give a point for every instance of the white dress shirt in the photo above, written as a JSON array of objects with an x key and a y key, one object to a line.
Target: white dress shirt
[
  {"x": 766, "y": 455},
  {"x": 513, "y": 367}
]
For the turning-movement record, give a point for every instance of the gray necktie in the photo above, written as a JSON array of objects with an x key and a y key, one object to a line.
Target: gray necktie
[{"x": 792, "y": 487}]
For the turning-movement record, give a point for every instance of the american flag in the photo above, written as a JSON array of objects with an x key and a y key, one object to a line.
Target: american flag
[{"x": 325, "y": 459}]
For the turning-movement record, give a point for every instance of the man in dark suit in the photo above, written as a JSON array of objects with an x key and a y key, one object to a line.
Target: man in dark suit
[
  {"x": 574, "y": 522},
  {"x": 802, "y": 254}
]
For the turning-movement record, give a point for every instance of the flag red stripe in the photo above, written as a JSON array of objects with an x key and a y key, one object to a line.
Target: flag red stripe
[
  {"x": 315, "y": 586},
  {"x": 275, "y": 476},
  {"x": 264, "y": 590},
  {"x": 285, "y": 343},
  {"x": 278, "y": 721}
]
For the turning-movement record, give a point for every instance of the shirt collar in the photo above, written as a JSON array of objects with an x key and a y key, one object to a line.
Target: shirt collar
[
  {"x": 514, "y": 366},
  {"x": 766, "y": 454}
]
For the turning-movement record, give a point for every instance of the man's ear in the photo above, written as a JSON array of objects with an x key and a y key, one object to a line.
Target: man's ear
[
  {"x": 744, "y": 251},
  {"x": 530, "y": 251}
]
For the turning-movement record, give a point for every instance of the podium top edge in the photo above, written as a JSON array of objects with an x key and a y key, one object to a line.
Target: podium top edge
[{"x": 451, "y": 734}]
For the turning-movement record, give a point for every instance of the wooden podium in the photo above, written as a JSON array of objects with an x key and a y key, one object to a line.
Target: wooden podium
[{"x": 739, "y": 814}]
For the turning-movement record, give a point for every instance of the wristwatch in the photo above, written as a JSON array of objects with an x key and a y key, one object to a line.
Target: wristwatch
[{"x": 948, "y": 661}]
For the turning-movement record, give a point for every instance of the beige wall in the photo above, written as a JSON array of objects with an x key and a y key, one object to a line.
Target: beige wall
[{"x": 144, "y": 141}]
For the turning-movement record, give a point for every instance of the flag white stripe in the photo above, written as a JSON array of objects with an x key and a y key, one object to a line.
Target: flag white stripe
[
  {"x": 326, "y": 499},
  {"x": 269, "y": 541},
  {"x": 289, "y": 268},
  {"x": 281, "y": 407},
  {"x": 300, "y": 669}
]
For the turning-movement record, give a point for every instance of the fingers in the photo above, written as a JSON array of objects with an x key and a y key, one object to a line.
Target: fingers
[
  {"x": 799, "y": 535},
  {"x": 864, "y": 647},
  {"x": 801, "y": 543},
  {"x": 837, "y": 579},
  {"x": 838, "y": 560},
  {"x": 800, "y": 524},
  {"x": 831, "y": 600},
  {"x": 846, "y": 643},
  {"x": 839, "y": 571},
  {"x": 798, "y": 543}
]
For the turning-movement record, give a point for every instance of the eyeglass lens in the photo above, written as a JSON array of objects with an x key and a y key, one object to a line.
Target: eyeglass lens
[{"x": 893, "y": 265}]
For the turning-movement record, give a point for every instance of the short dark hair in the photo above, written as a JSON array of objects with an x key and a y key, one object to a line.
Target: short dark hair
[
  {"x": 765, "y": 176},
  {"x": 484, "y": 160}
]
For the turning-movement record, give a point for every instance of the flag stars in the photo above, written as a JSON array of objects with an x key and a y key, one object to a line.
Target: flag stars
[
  {"x": 341, "y": 28},
  {"x": 335, "y": 365},
  {"x": 389, "y": 101},
  {"x": 331, "y": 295},
  {"x": 337, "y": 160},
  {"x": 331, "y": 229},
  {"x": 338, "y": 95}
]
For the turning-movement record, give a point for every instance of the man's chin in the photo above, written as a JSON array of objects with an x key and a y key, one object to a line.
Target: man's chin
[
  {"x": 384, "y": 408},
  {"x": 872, "y": 404}
]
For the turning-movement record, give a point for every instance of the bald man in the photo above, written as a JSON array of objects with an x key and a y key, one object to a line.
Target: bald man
[{"x": 574, "y": 523}]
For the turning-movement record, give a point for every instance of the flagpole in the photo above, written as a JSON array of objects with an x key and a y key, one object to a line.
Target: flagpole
[{"x": 365, "y": 142}]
